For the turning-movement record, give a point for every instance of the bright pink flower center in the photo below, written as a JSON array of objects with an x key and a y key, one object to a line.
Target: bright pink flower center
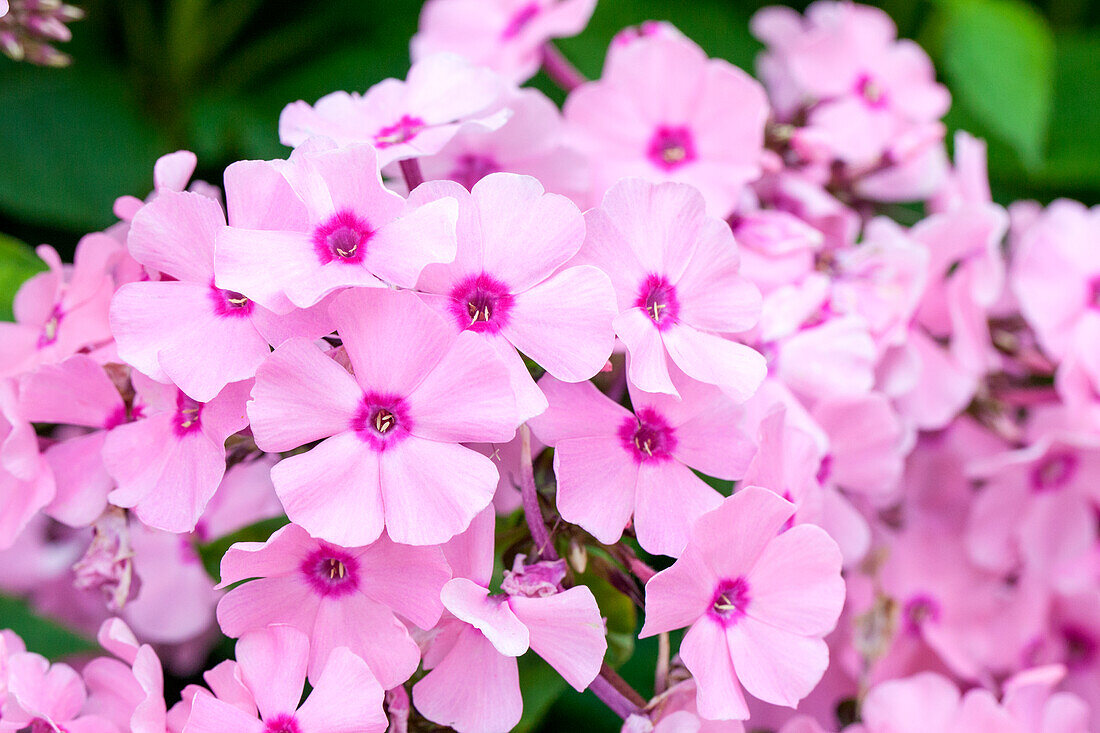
[
  {"x": 1094, "y": 293},
  {"x": 871, "y": 92},
  {"x": 1080, "y": 647},
  {"x": 825, "y": 470},
  {"x": 658, "y": 298},
  {"x": 342, "y": 238},
  {"x": 671, "y": 147},
  {"x": 118, "y": 416},
  {"x": 48, "y": 335},
  {"x": 647, "y": 436},
  {"x": 188, "y": 414},
  {"x": 520, "y": 20},
  {"x": 330, "y": 571},
  {"x": 1053, "y": 472},
  {"x": 230, "y": 303},
  {"x": 919, "y": 609},
  {"x": 282, "y": 724},
  {"x": 470, "y": 168},
  {"x": 481, "y": 303},
  {"x": 38, "y": 725},
  {"x": 402, "y": 131},
  {"x": 382, "y": 420},
  {"x": 731, "y": 600}
]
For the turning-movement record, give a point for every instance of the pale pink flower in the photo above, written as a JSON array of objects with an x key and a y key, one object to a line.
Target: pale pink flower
[
  {"x": 339, "y": 597},
  {"x": 44, "y": 697},
  {"x": 675, "y": 273},
  {"x": 129, "y": 690},
  {"x": 504, "y": 35},
  {"x": 665, "y": 112},
  {"x": 168, "y": 463},
  {"x": 1031, "y": 698},
  {"x": 346, "y": 698},
  {"x": 758, "y": 601},
  {"x": 26, "y": 481},
  {"x": 339, "y": 227},
  {"x": 522, "y": 298},
  {"x": 442, "y": 95},
  {"x": 391, "y": 455},
  {"x": 186, "y": 330},
  {"x": 612, "y": 464}
]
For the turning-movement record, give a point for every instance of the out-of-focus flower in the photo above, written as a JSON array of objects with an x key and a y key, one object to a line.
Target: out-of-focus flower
[{"x": 29, "y": 27}]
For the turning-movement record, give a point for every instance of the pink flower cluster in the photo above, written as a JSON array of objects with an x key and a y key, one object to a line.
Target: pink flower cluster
[{"x": 668, "y": 326}]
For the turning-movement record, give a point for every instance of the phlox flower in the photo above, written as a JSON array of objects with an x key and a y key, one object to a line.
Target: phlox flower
[
  {"x": 522, "y": 297},
  {"x": 675, "y": 273},
  {"x": 127, "y": 690},
  {"x": 665, "y": 112},
  {"x": 758, "y": 601},
  {"x": 442, "y": 94},
  {"x": 272, "y": 666},
  {"x": 63, "y": 310},
  {"x": 169, "y": 461},
  {"x": 473, "y": 678},
  {"x": 339, "y": 597},
  {"x": 612, "y": 464},
  {"x": 504, "y": 35},
  {"x": 390, "y": 455},
  {"x": 26, "y": 482},
  {"x": 339, "y": 227},
  {"x": 43, "y": 698}
]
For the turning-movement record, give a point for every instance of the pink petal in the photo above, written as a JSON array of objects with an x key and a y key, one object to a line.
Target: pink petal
[
  {"x": 333, "y": 490},
  {"x": 257, "y": 603},
  {"x": 706, "y": 654},
  {"x": 492, "y": 616},
  {"x": 211, "y": 715},
  {"x": 470, "y": 553},
  {"x": 346, "y": 699},
  {"x": 474, "y": 688},
  {"x": 424, "y": 235},
  {"x": 75, "y": 392},
  {"x": 264, "y": 265},
  {"x": 714, "y": 296},
  {"x": 648, "y": 363},
  {"x": 734, "y": 536},
  {"x": 175, "y": 234},
  {"x": 368, "y": 629},
  {"x": 406, "y": 579},
  {"x": 679, "y": 595},
  {"x": 282, "y": 554},
  {"x": 82, "y": 482},
  {"x": 774, "y": 665},
  {"x": 735, "y": 368},
  {"x": 669, "y": 499},
  {"x": 273, "y": 665},
  {"x": 703, "y": 414},
  {"x": 530, "y": 401},
  {"x": 171, "y": 172},
  {"x": 258, "y": 196},
  {"x": 796, "y": 584},
  {"x": 607, "y": 249},
  {"x": 577, "y": 410},
  {"x": 596, "y": 484},
  {"x": 301, "y": 395},
  {"x": 564, "y": 323},
  {"x": 432, "y": 491},
  {"x": 567, "y": 631}
]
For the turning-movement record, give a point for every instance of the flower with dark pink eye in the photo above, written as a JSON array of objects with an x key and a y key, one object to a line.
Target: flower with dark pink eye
[
  {"x": 48, "y": 334},
  {"x": 188, "y": 414},
  {"x": 671, "y": 147},
  {"x": 229, "y": 303},
  {"x": 871, "y": 92},
  {"x": 382, "y": 420},
  {"x": 402, "y": 131},
  {"x": 520, "y": 20},
  {"x": 342, "y": 238},
  {"x": 1093, "y": 299},
  {"x": 731, "y": 599},
  {"x": 1053, "y": 472},
  {"x": 481, "y": 303},
  {"x": 330, "y": 571},
  {"x": 657, "y": 297},
  {"x": 918, "y": 610},
  {"x": 647, "y": 436},
  {"x": 282, "y": 724}
]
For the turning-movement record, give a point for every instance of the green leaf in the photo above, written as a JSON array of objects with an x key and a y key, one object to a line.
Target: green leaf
[
  {"x": 17, "y": 263},
  {"x": 211, "y": 552},
  {"x": 1073, "y": 157},
  {"x": 41, "y": 635},
  {"x": 998, "y": 56}
]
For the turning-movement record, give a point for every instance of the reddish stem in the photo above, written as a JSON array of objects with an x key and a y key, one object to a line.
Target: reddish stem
[{"x": 560, "y": 70}]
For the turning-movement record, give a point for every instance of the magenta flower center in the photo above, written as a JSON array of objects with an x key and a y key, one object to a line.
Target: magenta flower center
[
  {"x": 731, "y": 600},
  {"x": 918, "y": 610},
  {"x": 520, "y": 20},
  {"x": 671, "y": 147},
  {"x": 330, "y": 571},
  {"x": 402, "y": 131},
  {"x": 481, "y": 303},
  {"x": 381, "y": 420},
  {"x": 188, "y": 414},
  {"x": 470, "y": 168},
  {"x": 230, "y": 303},
  {"x": 1053, "y": 472},
  {"x": 1094, "y": 293},
  {"x": 1080, "y": 647},
  {"x": 282, "y": 724},
  {"x": 342, "y": 238},
  {"x": 647, "y": 436},
  {"x": 657, "y": 297},
  {"x": 48, "y": 335},
  {"x": 871, "y": 91},
  {"x": 38, "y": 725}
]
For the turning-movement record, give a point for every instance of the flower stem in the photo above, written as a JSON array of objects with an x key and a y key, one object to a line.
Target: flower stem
[
  {"x": 560, "y": 70},
  {"x": 532, "y": 512},
  {"x": 616, "y": 694},
  {"x": 410, "y": 169}
]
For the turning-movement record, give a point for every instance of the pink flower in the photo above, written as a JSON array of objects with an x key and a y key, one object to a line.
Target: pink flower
[
  {"x": 341, "y": 227},
  {"x": 867, "y": 445},
  {"x": 272, "y": 666},
  {"x": 391, "y": 455},
  {"x": 674, "y": 270},
  {"x": 758, "y": 602},
  {"x": 505, "y": 35},
  {"x": 525, "y": 299},
  {"x": 611, "y": 463},
  {"x": 129, "y": 690},
  {"x": 168, "y": 463},
  {"x": 46, "y": 698},
  {"x": 62, "y": 310},
  {"x": 186, "y": 330},
  {"x": 665, "y": 112},
  {"x": 339, "y": 597},
  {"x": 474, "y": 679},
  {"x": 26, "y": 482},
  {"x": 442, "y": 95}
]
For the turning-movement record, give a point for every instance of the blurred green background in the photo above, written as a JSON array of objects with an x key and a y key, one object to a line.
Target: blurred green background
[{"x": 212, "y": 75}]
